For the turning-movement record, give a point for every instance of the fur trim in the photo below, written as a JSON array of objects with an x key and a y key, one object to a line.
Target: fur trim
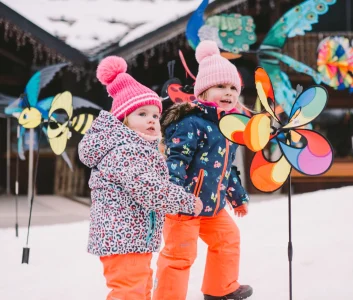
[{"x": 175, "y": 113}]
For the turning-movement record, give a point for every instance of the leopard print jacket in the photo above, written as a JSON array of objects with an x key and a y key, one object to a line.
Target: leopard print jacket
[{"x": 130, "y": 189}]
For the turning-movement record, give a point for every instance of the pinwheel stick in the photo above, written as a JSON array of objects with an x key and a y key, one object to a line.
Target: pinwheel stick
[
  {"x": 17, "y": 185},
  {"x": 290, "y": 246},
  {"x": 25, "y": 253}
]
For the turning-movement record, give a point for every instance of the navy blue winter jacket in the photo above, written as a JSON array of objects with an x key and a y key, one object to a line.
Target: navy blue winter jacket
[{"x": 200, "y": 158}]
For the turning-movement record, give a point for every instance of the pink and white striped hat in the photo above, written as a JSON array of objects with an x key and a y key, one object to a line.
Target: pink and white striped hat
[
  {"x": 128, "y": 94},
  {"x": 214, "y": 69}
]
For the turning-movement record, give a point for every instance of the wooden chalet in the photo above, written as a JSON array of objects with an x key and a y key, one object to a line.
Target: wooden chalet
[
  {"x": 147, "y": 58},
  {"x": 24, "y": 49}
]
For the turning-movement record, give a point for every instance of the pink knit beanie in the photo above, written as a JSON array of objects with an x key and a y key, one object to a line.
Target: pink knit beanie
[
  {"x": 127, "y": 93},
  {"x": 214, "y": 69}
]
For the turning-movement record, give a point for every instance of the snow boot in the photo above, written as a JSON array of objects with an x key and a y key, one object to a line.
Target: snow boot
[{"x": 243, "y": 292}]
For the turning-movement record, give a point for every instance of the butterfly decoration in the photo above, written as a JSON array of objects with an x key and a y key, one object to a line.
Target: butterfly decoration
[
  {"x": 60, "y": 120},
  {"x": 235, "y": 33},
  {"x": 39, "y": 108},
  {"x": 173, "y": 91},
  {"x": 335, "y": 62},
  {"x": 305, "y": 150}
]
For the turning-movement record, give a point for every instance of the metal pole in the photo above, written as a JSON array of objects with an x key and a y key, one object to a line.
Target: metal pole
[
  {"x": 8, "y": 156},
  {"x": 290, "y": 246},
  {"x": 17, "y": 181},
  {"x": 30, "y": 166},
  {"x": 348, "y": 15}
]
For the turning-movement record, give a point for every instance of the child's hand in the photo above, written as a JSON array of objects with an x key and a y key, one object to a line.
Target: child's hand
[
  {"x": 198, "y": 207},
  {"x": 241, "y": 210}
]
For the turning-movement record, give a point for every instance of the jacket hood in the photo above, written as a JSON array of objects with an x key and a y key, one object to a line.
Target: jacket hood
[
  {"x": 106, "y": 133},
  {"x": 206, "y": 110}
]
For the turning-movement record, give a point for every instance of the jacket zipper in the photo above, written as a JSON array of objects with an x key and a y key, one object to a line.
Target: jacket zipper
[
  {"x": 152, "y": 226},
  {"x": 199, "y": 183}
]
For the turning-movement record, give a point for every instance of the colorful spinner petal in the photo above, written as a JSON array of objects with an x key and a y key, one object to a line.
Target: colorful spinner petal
[
  {"x": 314, "y": 158},
  {"x": 257, "y": 132},
  {"x": 307, "y": 107},
  {"x": 265, "y": 91},
  {"x": 268, "y": 176},
  {"x": 232, "y": 126}
]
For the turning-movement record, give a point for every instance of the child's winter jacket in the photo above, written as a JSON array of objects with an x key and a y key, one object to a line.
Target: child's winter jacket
[
  {"x": 200, "y": 158},
  {"x": 131, "y": 192}
]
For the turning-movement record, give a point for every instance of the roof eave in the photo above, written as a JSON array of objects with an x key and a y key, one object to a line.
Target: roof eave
[
  {"x": 71, "y": 54},
  {"x": 160, "y": 35}
]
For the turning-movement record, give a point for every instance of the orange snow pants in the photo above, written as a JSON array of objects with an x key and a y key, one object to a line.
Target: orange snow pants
[
  {"x": 181, "y": 232},
  {"x": 129, "y": 276}
]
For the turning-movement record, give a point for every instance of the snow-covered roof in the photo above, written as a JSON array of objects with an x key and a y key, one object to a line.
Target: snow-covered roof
[{"x": 88, "y": 24}]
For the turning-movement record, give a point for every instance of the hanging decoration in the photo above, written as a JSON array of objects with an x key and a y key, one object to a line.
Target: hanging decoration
[
  {"x": 335, "y": 62},
  {"x": 305, "y": 150},
  {"x": 235, "y": 34}
]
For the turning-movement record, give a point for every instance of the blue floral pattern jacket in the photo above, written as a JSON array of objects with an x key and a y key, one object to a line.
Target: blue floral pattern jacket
[{"x": 199, "y": 157}]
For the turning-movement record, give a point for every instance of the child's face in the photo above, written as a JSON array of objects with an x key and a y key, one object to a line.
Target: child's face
[
  {"x": 145, "y": 119},
  {"x": 224, "y": 95}
]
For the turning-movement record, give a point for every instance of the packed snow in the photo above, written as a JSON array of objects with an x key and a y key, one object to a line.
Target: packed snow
[{"x": 60, "y": 268}]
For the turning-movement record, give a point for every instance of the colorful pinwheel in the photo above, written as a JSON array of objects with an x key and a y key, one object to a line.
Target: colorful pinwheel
[
  {"x": 305, "y": 150},
  {"x": 335, "y": 62}
]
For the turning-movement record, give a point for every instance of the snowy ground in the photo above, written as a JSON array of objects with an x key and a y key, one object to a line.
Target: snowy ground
[{"x": 60, "y": 268}]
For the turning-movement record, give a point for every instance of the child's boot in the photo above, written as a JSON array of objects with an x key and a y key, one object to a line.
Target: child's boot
[{"x": 243, "y": 292}]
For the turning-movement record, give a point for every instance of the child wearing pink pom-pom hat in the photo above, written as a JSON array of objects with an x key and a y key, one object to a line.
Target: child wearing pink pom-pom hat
[
  {"x": 129, "y": 183},
  {"x": 200, "y": 159}
]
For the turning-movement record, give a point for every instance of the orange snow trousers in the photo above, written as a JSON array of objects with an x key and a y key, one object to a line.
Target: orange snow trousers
[
  {"x": 129, "y": 276},
  {"x": 181, "y": 232}
]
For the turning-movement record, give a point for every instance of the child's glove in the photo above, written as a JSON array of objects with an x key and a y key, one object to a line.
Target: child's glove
[
  {"x": 198, "y": 207},
  {"x": 241, "y": 210}
]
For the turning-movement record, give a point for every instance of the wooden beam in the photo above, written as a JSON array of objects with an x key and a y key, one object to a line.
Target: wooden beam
[
  {"x": 13, "y": 80},
  {"x": 12, "y": 57}
]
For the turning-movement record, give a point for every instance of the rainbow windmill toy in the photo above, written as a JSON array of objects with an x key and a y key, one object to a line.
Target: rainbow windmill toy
[
  {"x": 305, "y": 150},
  {"x": 335, "y": 62}
]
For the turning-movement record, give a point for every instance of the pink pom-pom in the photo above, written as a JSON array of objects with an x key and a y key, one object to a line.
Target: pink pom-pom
[
  {"x": 109, "y": 68},
  {"x": 205, "y": 49}
]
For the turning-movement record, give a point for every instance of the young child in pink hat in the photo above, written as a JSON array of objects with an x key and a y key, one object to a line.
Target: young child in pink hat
[
  {"x": 200, "y": 159},
  {"x": 131, "y": 191}
]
